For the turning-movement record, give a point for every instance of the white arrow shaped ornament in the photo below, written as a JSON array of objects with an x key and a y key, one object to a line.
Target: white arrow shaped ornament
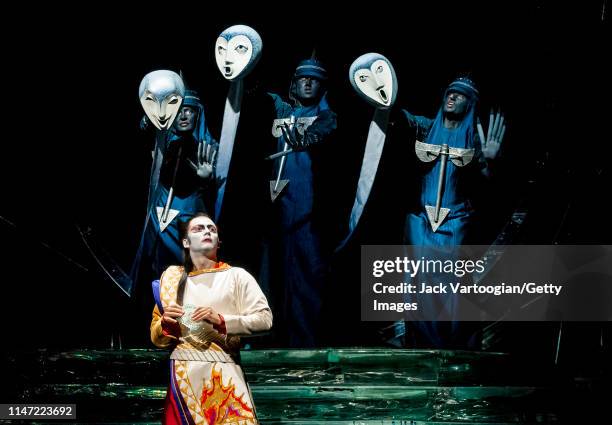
[
  {"x": 171, "y": 215},
  {"x": 427, "y": 152}
]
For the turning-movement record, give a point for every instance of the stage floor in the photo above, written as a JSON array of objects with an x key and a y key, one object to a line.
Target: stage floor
[{"x": 335, "y": 386}]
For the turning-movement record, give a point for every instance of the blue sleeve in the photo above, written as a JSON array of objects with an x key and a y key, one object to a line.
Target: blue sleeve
[
  {"x": 283, "y": 109},
  {"x": 324, "y": 124},
  {"x": 419, "y": 122}
]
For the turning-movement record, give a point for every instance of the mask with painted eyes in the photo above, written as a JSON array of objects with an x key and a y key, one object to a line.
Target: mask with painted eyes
[
  {"x": 161, "y": 94},
  {"x": 373, "y": 77},
  {"x": 237, "y": 51}
]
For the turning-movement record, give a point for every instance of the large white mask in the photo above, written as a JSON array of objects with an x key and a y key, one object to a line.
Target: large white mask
[
  {"x": 373, "y": 77},
  {"x": 237, "y": 51},
  {"x": 161, "y": 94}
]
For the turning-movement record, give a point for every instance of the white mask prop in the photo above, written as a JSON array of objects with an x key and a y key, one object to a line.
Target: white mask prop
[
  {"x": 237, "y": 51},
  {"x": 373, "y": 78},
  {"x": 161, "y": 94}
]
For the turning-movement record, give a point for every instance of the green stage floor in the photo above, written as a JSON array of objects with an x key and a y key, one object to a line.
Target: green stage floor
[{"x": 333, "y": 386}]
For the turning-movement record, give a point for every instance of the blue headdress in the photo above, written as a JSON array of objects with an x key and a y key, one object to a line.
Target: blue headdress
[
  {"x": 200, "y": 130},
  {"x": 463, "y": 136},
  {"x": 310, "y": 68}
]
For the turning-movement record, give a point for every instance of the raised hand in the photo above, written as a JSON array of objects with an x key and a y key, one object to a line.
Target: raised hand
[
  {"x": 207, "y": 155},
  {"x": 495, "y": 134}
]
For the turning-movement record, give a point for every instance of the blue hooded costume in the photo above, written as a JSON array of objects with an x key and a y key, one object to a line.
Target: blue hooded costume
[
  {"x": 302, "y": 261},
  {"x": 455, "y": 196},
  {"x": 452, "y": 231},
  {"x": 163, "y": 249}
]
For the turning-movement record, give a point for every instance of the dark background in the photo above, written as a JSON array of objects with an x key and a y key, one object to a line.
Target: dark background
[{"x": 81, "y": 159}]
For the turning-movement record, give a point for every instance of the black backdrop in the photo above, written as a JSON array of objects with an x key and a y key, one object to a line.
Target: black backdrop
[{"x": 81, "y": 158}]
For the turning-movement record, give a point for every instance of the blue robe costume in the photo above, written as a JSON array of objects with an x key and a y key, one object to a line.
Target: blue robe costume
[
  {"x": 303, "y": 266},
  {"x": 162, "y": 249},
  {"x": 458, "y": 181}
]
